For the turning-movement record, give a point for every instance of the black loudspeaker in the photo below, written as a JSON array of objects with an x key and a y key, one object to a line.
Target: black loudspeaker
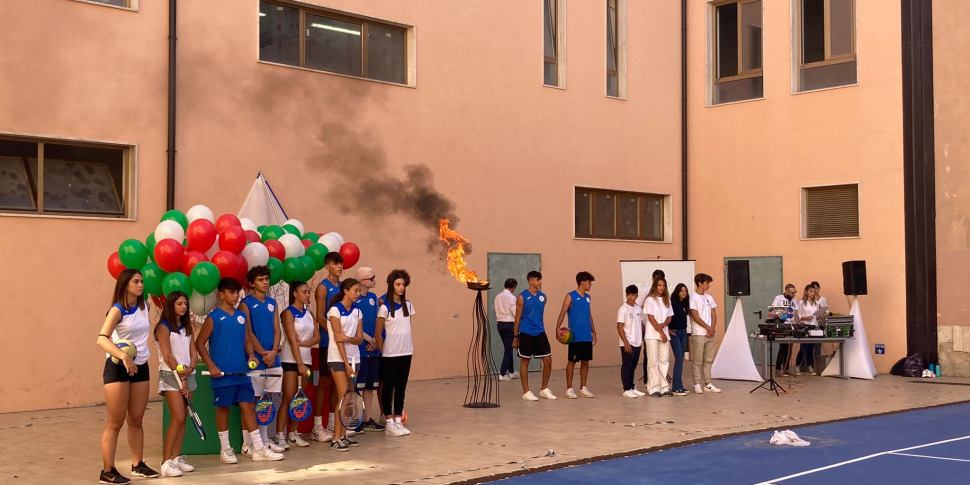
[
  {"x": 854, "y": 278},
  {"x": 739, "y": 281}
]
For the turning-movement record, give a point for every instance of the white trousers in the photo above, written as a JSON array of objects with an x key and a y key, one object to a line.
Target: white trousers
[{"x": 657, "y": 355}]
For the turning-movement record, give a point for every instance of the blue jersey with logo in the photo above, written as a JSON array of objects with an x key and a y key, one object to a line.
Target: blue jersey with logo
[
  {"x": 332, "y": 291},
  {"x": 367, "y": 304},
  {"x": 580, "y": 322},
  {"x": 533, "y": 308},
  {"x": 262, "y": 318},
  {"x": 227, "y": 346}
]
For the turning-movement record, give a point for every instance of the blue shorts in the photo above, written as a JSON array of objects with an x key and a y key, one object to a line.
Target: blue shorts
[
  {"x": 369, "y": 376},
  {"x": 226, "y": 396}
]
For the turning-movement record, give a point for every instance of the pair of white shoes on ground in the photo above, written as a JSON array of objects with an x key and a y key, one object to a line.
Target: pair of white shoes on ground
[
  {"x": 175, "y": 466},
  {"x": 633, "y": 393},
  {"x": 294, "y": 438},
  {"x": 787, "y": 437},
  {"x": 708, "y": 388},
  {"x": 394, "y": 427},
  {"x": 545, "y": 393},
  {"x": 226, "y": 455},
  {"x": 584, "y": 392},
  {"x": 508, "y": 377}
]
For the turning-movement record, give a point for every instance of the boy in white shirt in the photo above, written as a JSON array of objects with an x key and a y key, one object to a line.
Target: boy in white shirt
[
  {"x": 505, "y": 321},
  {"x": 630, "y": 327},
  {"x": 704, "y": 322}
]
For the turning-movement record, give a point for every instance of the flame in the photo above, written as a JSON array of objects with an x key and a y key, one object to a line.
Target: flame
[{"x": 456, "y": 253}]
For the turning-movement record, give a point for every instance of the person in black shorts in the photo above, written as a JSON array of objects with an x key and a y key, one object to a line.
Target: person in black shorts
[
  {"x": 530, "y": 336},
  {"x": 577, "y": 306}
]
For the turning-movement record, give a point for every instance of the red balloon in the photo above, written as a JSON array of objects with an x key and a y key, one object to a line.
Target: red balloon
[
  {"x": 225, "y": 221},
  {"x": 351, "y": 254},
  {"x": 306, "y": 243},
  {"x": 114, "y": 265},
  {"x": 232, "y": 239},
  {"x": 243, "y": 269},
  {"x": 227, "y": 263},
  {"x": 253, "y": 236},
  {"x": 169, "y": 255},
  {"x": 275, "y": 249},
  {"x": 191, "y": 259},
  {"x": 200, "y": 234}
]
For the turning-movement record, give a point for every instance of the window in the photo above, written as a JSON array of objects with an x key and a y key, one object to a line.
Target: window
[
  {"x": 44, "y": 177},
  {"x": 830, "y": 211},
  {"x": 333, "y": 42},
  {"x": 616, "y": 48},
  {"x": 604, "y": 214},
  {"x": 826, "y": 54},
  {"x": 116, "y": 3},
  {"x": 737, "y": 51},
  {"x": 552, "y": 35}
]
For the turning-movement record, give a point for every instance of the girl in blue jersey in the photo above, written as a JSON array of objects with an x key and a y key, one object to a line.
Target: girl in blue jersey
[
  {"x": 173, "y": 338},
  {"x": 576, "y": 306},
  {"x": 346, "y": 332},
  {"x": 301, "y": 334},
  {"x": 126, "y": 384}
]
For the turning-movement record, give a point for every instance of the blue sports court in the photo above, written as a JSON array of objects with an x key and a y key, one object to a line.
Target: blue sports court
[{"x": 922, "y": 446}]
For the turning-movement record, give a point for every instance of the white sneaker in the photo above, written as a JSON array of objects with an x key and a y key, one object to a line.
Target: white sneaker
[
  {"x": 528, "y": 396},
  {"x": 297, "y": 440},
  {"x": 246, "y": 450},
  {"x": 322, "y": 435},
  {"x": 697, "y": 389},
  {"x": 504, "y": 378},
  {"x": 630, "y": 394},
  {"x": 711, "y": 388},
  {"x": 227, "y": 455},
  {"x": 274, "y": 447},
  {"x": 349, "y": 433},
  {"x": 280, "y": 440},
  {"x": 514, "y": 375},
  {"x": 639, "y": 392},
  {"x": 585, "y": 392},
  {"x": 570, "y": 394},
  {"x": 183, "y": 465},
  {"x": 547, "y": 393},
  {"x": 170, "y": 469},
  {"x": 266, "y": 454},
  {"x": 392, "y": 429},
  {"x": 403, "y": 428},
  {"x": 811, "y": 370}
]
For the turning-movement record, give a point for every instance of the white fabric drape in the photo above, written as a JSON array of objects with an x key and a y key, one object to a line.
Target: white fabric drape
[
  {"x": 858, "y": 360},
  {"x": 261, "y": 205},
  {"x": 734, "y": 359}
]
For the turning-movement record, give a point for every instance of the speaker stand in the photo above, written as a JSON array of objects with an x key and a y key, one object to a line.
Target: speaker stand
[{"x": 772, "y": 384}]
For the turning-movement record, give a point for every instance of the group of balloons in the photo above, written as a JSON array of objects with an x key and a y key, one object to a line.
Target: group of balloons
[{"x": 191, "y": 251}]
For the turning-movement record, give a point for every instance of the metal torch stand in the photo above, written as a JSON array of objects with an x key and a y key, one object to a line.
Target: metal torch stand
[{"x": 483, "y": 389}]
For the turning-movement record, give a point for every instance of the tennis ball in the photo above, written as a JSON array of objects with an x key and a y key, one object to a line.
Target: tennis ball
[
  {"x": 180, "y": 368},
  {"x": 128, "y": 347},
  {"x": 252, "y": 364},
  {"x": 309, "y": 372}
]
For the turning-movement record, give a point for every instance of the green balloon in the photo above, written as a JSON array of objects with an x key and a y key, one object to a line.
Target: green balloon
[
  {"x": 293, "y": 269},
  {"x": 275, "y": 270},
  {"x": 272, "y": 232},
  {"x": 150, "y": 246},
  {"x": 317, "y": 252},
  {"x": 153, "y": 277},
  {"x": 290, "y": 228},
  {"x": 177, "y": 282},
  {"x": 260, "y": 228},
  {"x": 310, "y": 265},
  {"x": 311, "y": 236},
  {"x": 205, "y": 277},
  {"x": 133, "y": 254},
  {"x": 177, "y": 216}
]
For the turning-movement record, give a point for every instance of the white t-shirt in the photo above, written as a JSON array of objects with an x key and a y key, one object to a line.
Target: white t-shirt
[
  {"x": 348, "y": 324},
  {"x": 807, "y": 309},
  {"x": 397, "y": 328},
  {"x": 505, "y": 306},
  {"x": 179, "y": 343},
  {"x": 822, "y": 302},
  {"x": 630, "y": 317},
  {"x": 655, "y": 306},
  {"x": 303, "y": 325},
  {"x": 780, "y": 300},
  {"x": 704, "y": 305}
]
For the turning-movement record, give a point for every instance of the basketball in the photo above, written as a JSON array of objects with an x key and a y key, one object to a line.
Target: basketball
[
  {"x": 565, "y": 336},
  {"x": 128, "y": 347}
]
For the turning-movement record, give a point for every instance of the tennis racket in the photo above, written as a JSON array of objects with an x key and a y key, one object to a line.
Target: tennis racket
[
  {"x": 265, "y": 410},
  {"x": 172, "y": 379},
  {"x": 239, "y": 374},
  {"x": 300, "y": 407},
  {"x": 351, "y": 406}
]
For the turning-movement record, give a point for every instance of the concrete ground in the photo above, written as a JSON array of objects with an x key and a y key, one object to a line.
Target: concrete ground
[{"x": 451, "y": 443}]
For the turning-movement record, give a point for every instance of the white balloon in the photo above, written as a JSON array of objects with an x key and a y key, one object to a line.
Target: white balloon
[
  {"x": 169, "y": 230},
  {"x": 292, "y": 245},
  {"x": 247, "y": 224},
  {"x": 297, "y": 224},
  {"x": 339, "y": 238},
  {"x": 330, "y": 241},
  {"x": 200, "y": 212},
  {"x": 213, "y": 250},
  {"x": 256, "y": 254},
  {"x": 200, "y": 304}
]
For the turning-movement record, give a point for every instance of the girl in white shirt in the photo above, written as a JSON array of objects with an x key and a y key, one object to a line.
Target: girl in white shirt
[
  {"x": 346, "y": 332},
  {"x": 173, "y": 339},
  {"x": 658, "y": 313},
  {"x": 300, "y": 334},
  {"x": 807, "y": 306},
  {"x": 394, "y": 317}
]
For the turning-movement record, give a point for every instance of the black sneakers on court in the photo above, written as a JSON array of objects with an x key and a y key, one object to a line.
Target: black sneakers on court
[
  {"x": 112, "y": 476},
  {"x": 142, "y": 470}
]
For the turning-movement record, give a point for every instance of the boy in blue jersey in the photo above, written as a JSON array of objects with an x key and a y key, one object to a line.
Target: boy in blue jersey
[
  {"x": 576, "y": 305},
  {"x": 264, "y": 335},
  {"x": 368, "y": 379},
  {"x": 530, "y": 336},
  {"x": 229, "y": 349},
  {"x": 333, "y": 263}
]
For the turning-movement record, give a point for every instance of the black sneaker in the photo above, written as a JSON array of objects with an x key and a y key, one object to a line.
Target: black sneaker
[
  {"x": 112, "y": 476},
  {"x": 656, "y": 394},
  {"x": 667, "y": 394},
  {"x": 350, "y": 441},
  {"x": 339, "y": 445},
  {"x": 142, "y": 470},
  {"x": 374, "y": 425}
]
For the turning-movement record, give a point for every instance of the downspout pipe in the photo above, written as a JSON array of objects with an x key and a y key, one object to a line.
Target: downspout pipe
[
  {"x": 683, "y": 125},
  {"x": 170, "y": 179}
]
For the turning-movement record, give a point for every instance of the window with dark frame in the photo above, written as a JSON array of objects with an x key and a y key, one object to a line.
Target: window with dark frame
[
  {"x": 116, "y": 3},
  {"x": 332, "y": 42},
  {"x": 737, "y": 39},
  {"x": 827, "y": 56},
  {"x": 605, "y": 214},
  {"x": 59, "y": 177},
  {"x": 831, "y": 211},
  {"x": 612, "y": 50},
  {"x": 550, "y": 23}
]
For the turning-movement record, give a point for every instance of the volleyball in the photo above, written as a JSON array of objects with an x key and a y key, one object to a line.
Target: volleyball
[
  {"x": 565, "y": 336},
  {"x": 128, "y": 347}
]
